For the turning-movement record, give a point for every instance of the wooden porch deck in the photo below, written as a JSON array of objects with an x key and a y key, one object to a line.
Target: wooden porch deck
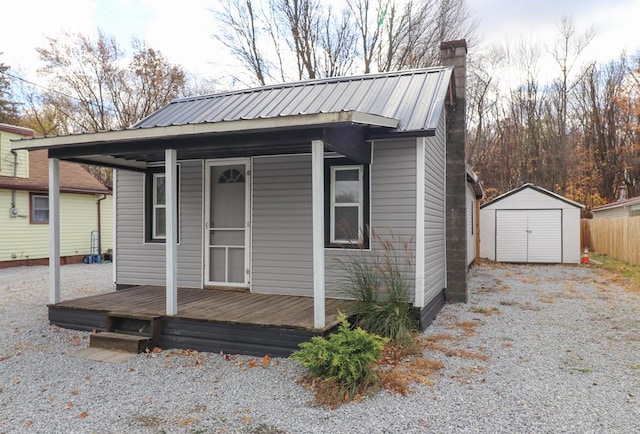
[{"x": 207, "y": 320}]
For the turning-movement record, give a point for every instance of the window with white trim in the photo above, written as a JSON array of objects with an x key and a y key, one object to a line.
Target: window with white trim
[
  {"x": 159, "y": 206},
  {"x": 39, "y": 209},
  {"x": 156, "y": 205},
  {"x": 346, "y": 203}
]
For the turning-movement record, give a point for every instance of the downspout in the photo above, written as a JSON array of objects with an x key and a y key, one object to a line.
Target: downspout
[
  {"x": 104, "y": 196},
  {"x": 13, "y": 212}
]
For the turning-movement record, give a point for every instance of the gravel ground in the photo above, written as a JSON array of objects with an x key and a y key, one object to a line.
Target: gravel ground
[{"x": 561, "y": 350}]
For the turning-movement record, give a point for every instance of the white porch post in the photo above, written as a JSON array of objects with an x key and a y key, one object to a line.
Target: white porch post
[
  {"x": 54, "y": 230},
  {"x": 420, "y": 221},
  {"x": 317, "y": 176},
  {"x": 171, "y": 241}
]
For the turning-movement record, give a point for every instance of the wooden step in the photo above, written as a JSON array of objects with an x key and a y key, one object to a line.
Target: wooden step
[
  {"x": 120, "y": 342},
  {"x": 134, "y": 324}
]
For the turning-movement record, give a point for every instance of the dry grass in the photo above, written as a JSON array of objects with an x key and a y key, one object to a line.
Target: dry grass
[
  {"x": 619, "y": 272},
  {"x": 455, "y": 352},
  {"x": 546, "y": 299},
  {"x": 416, "y": 370},
  {"x": 468, "y": 327},
  {"x": 464, "y": 375},
  {"x": 486, "y": 311},
  {"x": 440, "y": 337}
]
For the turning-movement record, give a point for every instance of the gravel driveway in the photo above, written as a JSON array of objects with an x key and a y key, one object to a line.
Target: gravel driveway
[{"x": 537, "y": 349}]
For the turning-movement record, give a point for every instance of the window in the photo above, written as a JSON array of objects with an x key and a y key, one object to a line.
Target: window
[
  {"x": 39, "y": 209},
  {"x": 156, "y": 205},
  {"x": 346, "y": 203},
  {"x": 159, "y": 205}
]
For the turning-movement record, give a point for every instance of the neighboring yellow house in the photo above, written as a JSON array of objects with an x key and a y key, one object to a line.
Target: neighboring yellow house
[{"x": 24, "y": 207}]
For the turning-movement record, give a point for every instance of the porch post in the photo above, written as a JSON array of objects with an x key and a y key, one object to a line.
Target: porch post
[
  {"x": 54, "y": 230},
  {"x": 317, "y": 177},
  {"x": 171, "y": 241}
]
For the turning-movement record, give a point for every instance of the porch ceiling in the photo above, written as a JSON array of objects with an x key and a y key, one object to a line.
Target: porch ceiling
[{"x": 343, "y": 132}]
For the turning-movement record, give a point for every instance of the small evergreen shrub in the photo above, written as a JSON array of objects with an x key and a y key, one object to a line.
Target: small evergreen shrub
[{"x": 346, "y": 359}]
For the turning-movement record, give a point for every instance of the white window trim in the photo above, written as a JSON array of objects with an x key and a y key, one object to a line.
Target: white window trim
[
  {"x": 34, "y": 209},
  {"x": 333, "y": 205},
  {"x": 155, "y": 206}
]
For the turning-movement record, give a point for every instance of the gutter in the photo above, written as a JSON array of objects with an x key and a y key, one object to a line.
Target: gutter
[{"x": 13, "y": 211}]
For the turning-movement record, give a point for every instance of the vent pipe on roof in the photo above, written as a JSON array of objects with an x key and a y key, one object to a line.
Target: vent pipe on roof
[{"x": 623, "y": 193}]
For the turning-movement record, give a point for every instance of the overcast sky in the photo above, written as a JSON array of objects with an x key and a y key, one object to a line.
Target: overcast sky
[{"x": 182, "y": 29}]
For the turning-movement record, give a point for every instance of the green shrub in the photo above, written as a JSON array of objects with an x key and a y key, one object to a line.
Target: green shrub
[
  {"x": 382, "y": 286},
  {"x": 346, "y": 358}
]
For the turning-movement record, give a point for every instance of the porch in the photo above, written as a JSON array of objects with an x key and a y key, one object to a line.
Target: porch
[{"x": 206, "y": 320}]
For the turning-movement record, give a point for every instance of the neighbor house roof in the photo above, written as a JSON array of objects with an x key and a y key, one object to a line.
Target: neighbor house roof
[
  {"x": 406, "y": 102},
  {"x": 536, "y": 188},
  {"x": 73, "y": 177},
  {"x": 626, "y": 202}
]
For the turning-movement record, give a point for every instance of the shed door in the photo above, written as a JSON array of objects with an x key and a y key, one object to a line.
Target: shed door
[{"x": 529, "y": 236}]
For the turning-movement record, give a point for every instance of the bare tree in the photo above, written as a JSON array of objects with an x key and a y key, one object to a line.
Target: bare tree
[
  {"x": 240, "y": 23},
  {"x": 370, "y": 35},
  {"x": 338, "y": 45},
  {"x": 97, "y": 89}
]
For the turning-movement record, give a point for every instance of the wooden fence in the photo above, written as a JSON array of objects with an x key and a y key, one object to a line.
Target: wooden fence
[{"x": 618, "y": 237}]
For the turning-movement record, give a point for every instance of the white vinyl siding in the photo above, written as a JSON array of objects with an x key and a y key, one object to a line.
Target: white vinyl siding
[
  {"x": 140, "y": 263},
  {"x": 434, "y": 233},
  {"x": 282, "y": 261},
  {"x": 393, "y": 211}
]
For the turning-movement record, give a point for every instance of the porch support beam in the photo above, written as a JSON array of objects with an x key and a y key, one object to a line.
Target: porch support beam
[
  {"x": 54, "y": 230},
  {"x": 349, "y": 141},
  {"x": 317, "y": 183},
  {"x": 171, "y": 194}
]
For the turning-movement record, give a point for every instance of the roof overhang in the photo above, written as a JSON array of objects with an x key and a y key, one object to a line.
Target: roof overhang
[
  {"x": 134, "y": 148},
  {"x": 243, "y": 125}
]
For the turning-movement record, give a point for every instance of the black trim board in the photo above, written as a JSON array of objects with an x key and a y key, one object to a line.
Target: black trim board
[{"x": 428, "y": 313}]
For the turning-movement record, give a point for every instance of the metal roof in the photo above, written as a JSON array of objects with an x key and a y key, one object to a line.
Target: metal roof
[
  {"x": 415, "y": 98},
  {"x": 625, "y": 202}
]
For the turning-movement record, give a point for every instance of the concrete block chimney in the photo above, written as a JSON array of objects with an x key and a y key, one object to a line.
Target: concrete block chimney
[{"x": 454, "y": 53}]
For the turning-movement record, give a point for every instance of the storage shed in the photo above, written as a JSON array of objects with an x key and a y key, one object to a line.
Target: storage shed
[{"x": 530, "y": 224}]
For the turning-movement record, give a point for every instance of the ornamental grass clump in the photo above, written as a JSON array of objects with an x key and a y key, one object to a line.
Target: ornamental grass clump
[
  {"x": 382, "y": 286},
  {"x": 345, "y": 362}
]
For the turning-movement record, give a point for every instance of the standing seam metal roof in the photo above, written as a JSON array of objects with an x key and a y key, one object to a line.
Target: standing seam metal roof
[{"x": 415, "y": 98}]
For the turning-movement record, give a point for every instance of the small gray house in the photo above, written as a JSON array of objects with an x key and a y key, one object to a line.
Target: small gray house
[{"x": 232, "y": 210}]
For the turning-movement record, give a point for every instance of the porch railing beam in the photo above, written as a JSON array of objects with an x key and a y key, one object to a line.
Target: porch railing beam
[
  {"x": 171, "y": 194},
  {"x": 317, "y": 175},
  {"x": 54, "y": 230}
]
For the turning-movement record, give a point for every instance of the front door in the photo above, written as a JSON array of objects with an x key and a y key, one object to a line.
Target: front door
[{"x": 226, "y": 223}]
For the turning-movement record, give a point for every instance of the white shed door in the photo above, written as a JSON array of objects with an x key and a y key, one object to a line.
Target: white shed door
[{"x": 529, "y": 236}]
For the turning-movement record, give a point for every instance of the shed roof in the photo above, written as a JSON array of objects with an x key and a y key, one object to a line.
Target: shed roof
[
  {"x": 626, "y": 202},
  {"x": 535, "y": 188}
]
